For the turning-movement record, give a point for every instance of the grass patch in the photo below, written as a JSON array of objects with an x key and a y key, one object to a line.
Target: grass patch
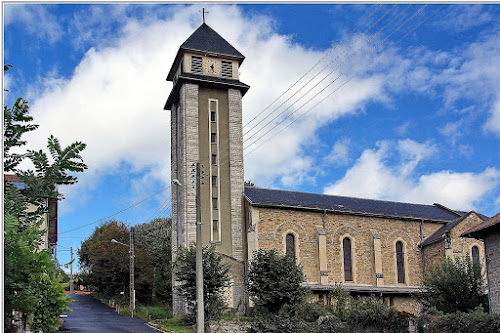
[
  {"x": 174, "y": 326},
  {"x": 153, "y": 312}
]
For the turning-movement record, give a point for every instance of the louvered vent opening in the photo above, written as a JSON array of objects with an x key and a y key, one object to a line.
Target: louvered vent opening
[
  {"x": 227, "y": 69},
  {"x": 196, "y": 65}
]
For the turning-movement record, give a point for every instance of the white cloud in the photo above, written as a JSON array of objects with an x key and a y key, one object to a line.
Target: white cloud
[
  {"x": 46, "y": 27},
  {"x": 464, "y": 17},
  {"x": 493, "y": 124},
  {"x": 339, "y": 154},
  {"x": 402, "y": 130},
  {"x": 372, "y": 176},
  {"x": 114, "y": 99}
]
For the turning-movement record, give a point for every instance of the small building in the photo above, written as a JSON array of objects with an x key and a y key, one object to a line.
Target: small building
[
  {"x": 49, "y": 224},
  {"x": 489, "y": 233}
]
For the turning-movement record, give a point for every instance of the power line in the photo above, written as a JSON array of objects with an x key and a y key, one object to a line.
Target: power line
[
  {"x": 328, "y": 53},
  {"x": 423, "y": 21},
  {"x": 310, "y": 80},
  {"x": 331, "y": 72},
  {"x": 121, "y": 211},
  {"x": 224, "y": 144}
]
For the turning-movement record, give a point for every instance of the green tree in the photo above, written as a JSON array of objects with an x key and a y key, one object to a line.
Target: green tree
[
  {"x": 155, "y": 237},
  {"x": 249, "y": 183},
  {"x": 32, "y": 277},
  {"x": 215, "y": 279},
  {"x": 274, "y": 281},
  {"x": 453, "y": 286},
  {"x": 107, "y": 265}
]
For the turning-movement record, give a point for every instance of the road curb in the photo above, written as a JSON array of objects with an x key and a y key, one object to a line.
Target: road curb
[{"x": 154, "y": 326}]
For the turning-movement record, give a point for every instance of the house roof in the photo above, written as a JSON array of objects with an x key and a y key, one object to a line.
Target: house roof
[
  {"x": 483, "y": 227},
  {"x": 348, "y": 205},
  {"x": 438, "y": 234},
  {"x": 205, "y": 40},
  {"x": 14, "y": 180}
]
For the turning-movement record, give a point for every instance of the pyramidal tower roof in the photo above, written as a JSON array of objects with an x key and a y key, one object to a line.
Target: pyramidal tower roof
[{"x": 205, "y": 39}]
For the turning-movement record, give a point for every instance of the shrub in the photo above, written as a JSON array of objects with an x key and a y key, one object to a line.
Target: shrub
[
  {"x": 330, "y": 324},
  {"x": 453, "y": 286},
  {"x": 278, "y": 323},
  {"x": 463, "y": 323},
  {"x": 311, "y": 312},
  {"x": 340, "y": 301},
  {"x": 215, "y": 279},
  {"x": 274, "y": 281},
  {"x": 369, "y": 314}
]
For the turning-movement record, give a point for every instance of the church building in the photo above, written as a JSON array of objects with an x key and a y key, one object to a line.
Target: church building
[{"x": 369, "y": 247}]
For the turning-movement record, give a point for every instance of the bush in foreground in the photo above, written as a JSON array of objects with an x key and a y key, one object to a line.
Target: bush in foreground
[{"x": 475, "y": 322}]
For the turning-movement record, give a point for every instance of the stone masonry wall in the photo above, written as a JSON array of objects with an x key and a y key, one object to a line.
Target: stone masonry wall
[
  {"x": 493, "y": 258},
  {"x": 274, "y": 224},
  {"x": 433, "y": 253},
  {"x": 462, "y": 246},
  {"x": 185, "y": 138},
  {"x": 236, "y": 172}
]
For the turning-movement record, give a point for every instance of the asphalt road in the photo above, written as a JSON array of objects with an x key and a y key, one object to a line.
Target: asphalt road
[{"x": 90, "y": 315}]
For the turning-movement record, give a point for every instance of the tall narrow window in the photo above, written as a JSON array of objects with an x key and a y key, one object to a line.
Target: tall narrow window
[
  {"x": 475, "y": 254},
  {"x": 214, "y": 181},
  {"x": 347, "y": 247},
  {"x": 290, "y": 245},
  {"x": 400, "y": 262},
  {"x": 214, "y": 203},
  {"x": 213, "y": 116},
  {"x": 215, "y": 231},
  {"x": 213, "y": 137},
  {"x": 214, "y": 159}
]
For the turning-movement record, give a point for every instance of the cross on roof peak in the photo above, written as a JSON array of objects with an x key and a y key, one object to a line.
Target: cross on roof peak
[{"x": 203, "y": 13}]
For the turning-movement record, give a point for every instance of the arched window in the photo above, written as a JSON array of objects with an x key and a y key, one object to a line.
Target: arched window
[
  {"x": 290, "y": 245},
  {"x": 400, "y": 261},
  {"x": 347, "y": 247},
  {"x": 475, "y": 254}
]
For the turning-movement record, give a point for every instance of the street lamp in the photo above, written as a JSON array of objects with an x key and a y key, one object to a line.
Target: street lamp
[
  {"x": 200, "y": 307},
  {"x": 132, "y": 288}
]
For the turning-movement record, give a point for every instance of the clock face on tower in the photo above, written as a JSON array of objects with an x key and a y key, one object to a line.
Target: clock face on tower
[{"x": 211, "y": 67}]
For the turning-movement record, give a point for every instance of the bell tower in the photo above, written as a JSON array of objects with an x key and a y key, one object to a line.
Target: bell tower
[{"x": 206, "y": 127}]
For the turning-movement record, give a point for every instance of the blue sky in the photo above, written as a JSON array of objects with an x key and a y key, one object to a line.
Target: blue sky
[{"x": 410, "y": 111}]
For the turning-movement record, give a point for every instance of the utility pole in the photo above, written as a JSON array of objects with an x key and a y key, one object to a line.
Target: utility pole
[
  {"x": 132, "y": 287},
  {"x": 200, "y": 313},
  {"x": 132, "y": 256},
  {"x": 71, "y": 272}
]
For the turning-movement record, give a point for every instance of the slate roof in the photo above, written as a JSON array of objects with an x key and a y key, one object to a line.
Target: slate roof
[
  {"x": 438, "y": 234},
  {"x": 348, "y": 205},
  {"x": 484, "y": 227},
  {"x": 206, "y": 40}
]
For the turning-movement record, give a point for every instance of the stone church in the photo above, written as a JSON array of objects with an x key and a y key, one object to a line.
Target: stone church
[{"x": 367, "y": 246}]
